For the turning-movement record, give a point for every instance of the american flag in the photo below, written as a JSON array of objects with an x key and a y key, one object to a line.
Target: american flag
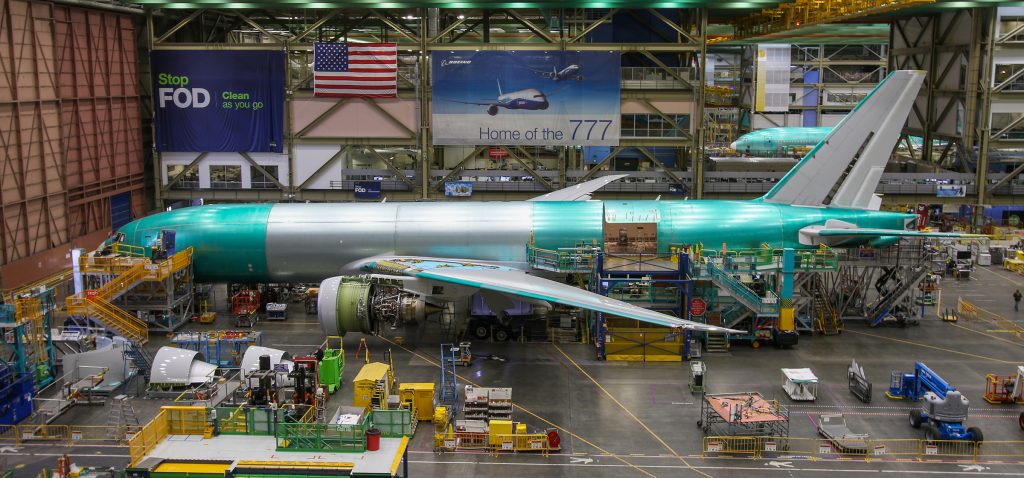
[{"x": 366, "y": 70}]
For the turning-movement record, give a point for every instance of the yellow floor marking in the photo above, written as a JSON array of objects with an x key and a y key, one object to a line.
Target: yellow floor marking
[
  {"x": 628, "y": 412},
  {"x": 943, "y": 349},
  {"x": 528, "y": 412},
  {"x": 1001, "y": 276}
]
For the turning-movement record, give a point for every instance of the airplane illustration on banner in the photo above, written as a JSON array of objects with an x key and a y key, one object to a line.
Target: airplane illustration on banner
[
  {"x": 571, "y": 72},
  {"x": 527, "y": 99}
]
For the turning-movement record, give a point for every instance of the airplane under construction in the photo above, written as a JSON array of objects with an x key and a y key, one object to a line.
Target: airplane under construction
[{"x": 445, "y": 251}]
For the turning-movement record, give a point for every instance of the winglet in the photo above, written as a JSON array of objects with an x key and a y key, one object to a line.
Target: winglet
[
  {"x": 581, "y": 191},
  {"x": 843, "y": 169}
]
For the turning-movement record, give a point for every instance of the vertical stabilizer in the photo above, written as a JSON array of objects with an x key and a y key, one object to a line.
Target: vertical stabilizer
[{"x": 843, "y": 169}]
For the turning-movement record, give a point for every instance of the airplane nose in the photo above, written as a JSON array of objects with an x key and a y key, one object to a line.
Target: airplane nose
[{"x": 732, "y": 145}]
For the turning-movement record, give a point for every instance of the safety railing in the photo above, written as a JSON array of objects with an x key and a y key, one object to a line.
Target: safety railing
[
  {"x": 649, "y": 262},
  {"x": 121, "y": 283},
  {"x": 563, "y": 260},
  {"x": 149, "y": 437},
  {"x": 971, "y": 311},
  {"x": 123, "y": 249},
  {"x": 113, "y": 265},
  {"x": 525, "y": 442},
  {"x": 321, "y": 437},
  {"x": 160, "y": 271},
  {"x": 866, "y": 449},
  {"x": 62, "y": 434},
  {"x": 125, "y": 324},
  {"x": 394, "y": 423},
  {"x": 453, "y": 440}
]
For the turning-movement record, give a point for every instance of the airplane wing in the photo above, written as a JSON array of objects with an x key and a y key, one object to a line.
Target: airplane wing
[
  {"x": 481, "y": 103},
  {"x": 895, "y": 232},
  {"x": 515, "y": 282},
  {"x": 581, "y": 191}
]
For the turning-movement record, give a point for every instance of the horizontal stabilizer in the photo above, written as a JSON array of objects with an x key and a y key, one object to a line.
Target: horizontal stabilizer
[
  {"x": 895, "y": 232},
  {"x": 581, "y": 191}
]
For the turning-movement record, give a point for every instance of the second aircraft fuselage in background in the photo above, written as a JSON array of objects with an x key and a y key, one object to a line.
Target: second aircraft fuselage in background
[{"x": 310, "y": 242}]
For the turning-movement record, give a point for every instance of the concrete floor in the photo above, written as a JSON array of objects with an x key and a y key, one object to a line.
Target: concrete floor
[{"x": 639, "y": 419}]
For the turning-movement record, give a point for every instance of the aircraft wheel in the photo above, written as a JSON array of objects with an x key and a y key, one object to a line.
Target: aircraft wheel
[
  {"x": 500, "y": 335},
  {"x": 976, "y": 434},
  {"x": 755, "y": 344},
  {"x": 1020, "y": 421},
  {"x": 915, "y": 418}
]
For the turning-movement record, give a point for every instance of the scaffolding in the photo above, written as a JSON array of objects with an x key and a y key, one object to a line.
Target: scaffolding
[
  {"x": 655, "y": 281},
  {"x": 223, "y": 348},
  {"x": 27, "y": 336}
]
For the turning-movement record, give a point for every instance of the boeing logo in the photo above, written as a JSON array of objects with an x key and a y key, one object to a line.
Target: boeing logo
[{"x": 455, "y": 62}]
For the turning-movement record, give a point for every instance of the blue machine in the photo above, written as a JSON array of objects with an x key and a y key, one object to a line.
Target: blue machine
[
  {"x": 944, "y": 410},
  {"x": 16, "y": 394}
]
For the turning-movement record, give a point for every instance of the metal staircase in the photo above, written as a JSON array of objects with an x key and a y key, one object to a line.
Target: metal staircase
[
  {"x": 140, "y": 358},
  {"x": 893, "y": 287},
  {"x": 826, "y": 317},
  {"x": 126, "y": 273},
  {"x": 716, "y": 343},
  {"x": 449, "y": 396},
  {"x": 734, "y": 314},
  {"x": 762, "y": 306}
]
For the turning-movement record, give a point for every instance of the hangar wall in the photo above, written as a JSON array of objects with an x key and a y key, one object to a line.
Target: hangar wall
[{"x": 70, "y": 141}]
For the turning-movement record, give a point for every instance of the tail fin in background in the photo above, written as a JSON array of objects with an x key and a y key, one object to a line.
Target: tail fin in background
[{"x": 843, "y": 169}]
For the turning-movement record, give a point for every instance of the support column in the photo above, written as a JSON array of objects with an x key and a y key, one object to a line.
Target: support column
[
  {"x": 785, "y": 333},
  {"x": 697, "y": 154},
  {"x": 984, "y": 109},
  {"x": 426, "y": 154}
]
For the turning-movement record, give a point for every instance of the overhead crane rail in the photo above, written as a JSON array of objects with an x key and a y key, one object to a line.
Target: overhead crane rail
[{"x": 803, "y": 13}]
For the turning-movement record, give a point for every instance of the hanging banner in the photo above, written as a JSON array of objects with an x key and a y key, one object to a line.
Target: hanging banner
[
  {"x": 538, "y": 98},
  {"x": 367, "y": 189},
  {"x": 951, "y": 191},
  {"x": 458, "y": 188},
  {"x": 772, "y": 82},
  {"x": 218, "y": 101}
]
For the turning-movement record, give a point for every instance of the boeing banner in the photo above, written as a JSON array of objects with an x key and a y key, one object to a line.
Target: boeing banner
[
  {"x": 538, "y": 98},
  {"x": 218, "y": 101}
]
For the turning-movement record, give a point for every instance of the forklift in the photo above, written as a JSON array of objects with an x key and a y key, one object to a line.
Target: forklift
[{"x": 944, "y": 409}]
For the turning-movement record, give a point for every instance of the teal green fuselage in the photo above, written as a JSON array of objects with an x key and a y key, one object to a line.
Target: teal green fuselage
[{"x": 310, "y": 242}]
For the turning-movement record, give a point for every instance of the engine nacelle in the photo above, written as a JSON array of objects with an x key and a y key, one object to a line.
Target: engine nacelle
[{"x": 364, "y": 304}]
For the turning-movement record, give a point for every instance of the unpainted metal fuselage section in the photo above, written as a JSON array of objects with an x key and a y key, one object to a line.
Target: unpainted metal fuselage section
[{"x": 311, "y": 242}]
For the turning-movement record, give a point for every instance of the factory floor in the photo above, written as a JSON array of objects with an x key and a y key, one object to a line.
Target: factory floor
[{"x": 639, "y": 419}]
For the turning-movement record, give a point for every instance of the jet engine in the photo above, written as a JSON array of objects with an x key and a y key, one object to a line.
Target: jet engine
[{"x": 365, "y": 304}]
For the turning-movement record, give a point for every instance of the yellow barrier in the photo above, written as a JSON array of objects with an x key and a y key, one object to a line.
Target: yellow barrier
[
  {"x": 946, "y": 449},
  {"x": 451, "y": 441},
  {"x": 63, "y": 434},
  {"x": 732, "y": 446},
  {"x": 855, "y": 449},
  {"x": 971, "y": 311},
  {"x": 185, "y": 420},
  {"x": 1001, "y": 450},
  {"x": 170, "y": 421},
  {"x": 897, "y": 449},
  {"x": 151, "y": 434},
  {"x": 522, "y": 442}
]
